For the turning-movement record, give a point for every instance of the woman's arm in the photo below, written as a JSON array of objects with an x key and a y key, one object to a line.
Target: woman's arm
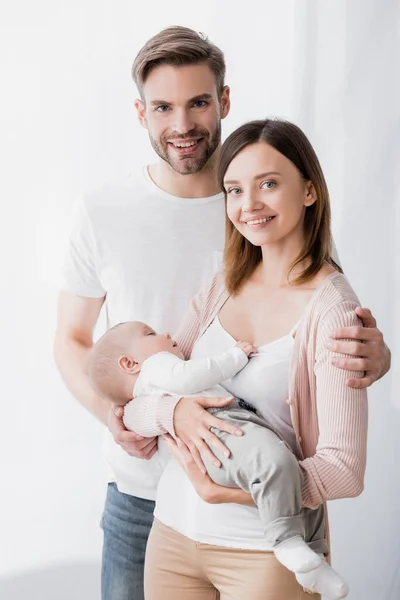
[
  {"x": 206, "y": 488},
  {"x": 338, "y": 466}
]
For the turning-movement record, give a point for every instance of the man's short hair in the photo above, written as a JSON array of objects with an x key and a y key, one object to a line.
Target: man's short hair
[{"x": 178, "y": 46}]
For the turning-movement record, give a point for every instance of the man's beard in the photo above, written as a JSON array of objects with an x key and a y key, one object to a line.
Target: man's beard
[{"x": 187, "y": 165}]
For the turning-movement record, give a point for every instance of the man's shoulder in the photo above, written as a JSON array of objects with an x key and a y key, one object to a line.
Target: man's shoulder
[{"x": 124, "y": 190}]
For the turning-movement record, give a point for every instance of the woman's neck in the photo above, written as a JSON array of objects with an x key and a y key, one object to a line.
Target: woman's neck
[{"x": 276, "y": 262}]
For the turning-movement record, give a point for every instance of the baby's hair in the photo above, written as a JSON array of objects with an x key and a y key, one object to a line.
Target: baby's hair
[{"x": 103, "y": 369}]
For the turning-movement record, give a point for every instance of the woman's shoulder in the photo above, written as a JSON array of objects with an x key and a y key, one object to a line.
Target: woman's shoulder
[
  {"x": 336, "y": 289},
  {"x": 210, "y": 295},
  {"x": 334, "y": 299},
  {"x": 215, "y": 286}
]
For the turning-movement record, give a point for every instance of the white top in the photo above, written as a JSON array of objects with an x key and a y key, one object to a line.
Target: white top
[
  {"x": 264, "y": 383},
  {"x": 148, "y": 252}
]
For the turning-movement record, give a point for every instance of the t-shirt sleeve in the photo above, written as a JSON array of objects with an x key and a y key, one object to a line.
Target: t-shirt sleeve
[{"x": 80, "y": 269}]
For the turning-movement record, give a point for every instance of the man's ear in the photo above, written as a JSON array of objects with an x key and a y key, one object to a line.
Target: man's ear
[
  {"x": 128, "y": 365},
  {"x": 311, "y": 194},
  {"x": 141, "y": 112},
  {"x": 225, "y": 102}
]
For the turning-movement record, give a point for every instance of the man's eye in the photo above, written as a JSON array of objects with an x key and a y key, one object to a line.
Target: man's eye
[
  {"x": 200, "y": 104},
  {"x": 162, "y": 108}
]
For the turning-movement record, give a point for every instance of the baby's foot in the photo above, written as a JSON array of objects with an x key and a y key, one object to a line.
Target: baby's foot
[
  {"x": 325, "y": 581},
  {"x": 296, "y": 556}
]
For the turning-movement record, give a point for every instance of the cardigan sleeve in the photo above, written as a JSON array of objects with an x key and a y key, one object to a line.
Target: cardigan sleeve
[
  {"x": 337, "y": 469},
  {"x": 154, "y": 415},
  {"x": 190, "y": 329}
]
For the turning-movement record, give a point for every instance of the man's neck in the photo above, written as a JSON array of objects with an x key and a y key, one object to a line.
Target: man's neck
[{"x": 198, "y": 185}]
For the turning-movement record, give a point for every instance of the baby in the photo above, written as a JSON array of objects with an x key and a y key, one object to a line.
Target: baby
[{"x": 131, "y": 360}]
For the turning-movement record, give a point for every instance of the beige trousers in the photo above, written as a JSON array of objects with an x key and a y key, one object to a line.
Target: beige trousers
[{"x": 177, "y": 568}]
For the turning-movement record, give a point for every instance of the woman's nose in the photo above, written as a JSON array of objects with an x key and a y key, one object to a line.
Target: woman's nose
[
  {"x": 168, "y": 336},
  {"x": 250, "y": 203}
]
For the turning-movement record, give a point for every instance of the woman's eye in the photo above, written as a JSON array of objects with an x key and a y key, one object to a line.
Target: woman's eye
[
  {"x": 234, "y": 191},
  {"x": 268, "y": 185}
]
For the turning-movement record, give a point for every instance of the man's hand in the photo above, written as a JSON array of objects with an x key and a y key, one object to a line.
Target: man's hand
[
  {"x": 206, "y": 488},
  {"x": 246, "y": 347},
  {"x": 366, "y": 350},
  {"x": 134, "y": 444},
  {"x": 192, "y": 424}
]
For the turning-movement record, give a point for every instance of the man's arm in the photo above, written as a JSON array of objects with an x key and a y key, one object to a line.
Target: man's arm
[
  {"x": 76, "y": 319},
  {"x": 365, "y": 348}
]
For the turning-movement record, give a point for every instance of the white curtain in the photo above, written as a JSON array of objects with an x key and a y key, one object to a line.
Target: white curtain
[{"x": 67, "y": 124}]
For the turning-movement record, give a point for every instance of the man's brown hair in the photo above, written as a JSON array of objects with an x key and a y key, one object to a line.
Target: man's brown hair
[
  {"x": 240, "y": 256},
  {"x": 178, "y": 46}
]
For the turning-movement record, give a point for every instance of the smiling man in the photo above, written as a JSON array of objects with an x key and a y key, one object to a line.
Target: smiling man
[{"x": 143, "y": 247}]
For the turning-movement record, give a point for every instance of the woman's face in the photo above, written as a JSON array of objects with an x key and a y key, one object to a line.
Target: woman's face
[{"x": 266, "y": 195}]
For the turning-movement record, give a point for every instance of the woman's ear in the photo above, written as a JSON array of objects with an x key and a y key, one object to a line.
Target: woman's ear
[
  {"x": 128, "y": 365},
  {"x": 311, "y": 194}
]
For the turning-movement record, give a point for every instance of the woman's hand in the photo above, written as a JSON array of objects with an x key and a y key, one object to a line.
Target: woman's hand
[
  {"x": 365, "y": 348},
  {"x": 192, "y": 424},
  {"x": 205, "y": 487}
]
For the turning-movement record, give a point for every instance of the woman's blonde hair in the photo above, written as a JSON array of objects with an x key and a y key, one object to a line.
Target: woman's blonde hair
[{"x": 240, "y": 256}]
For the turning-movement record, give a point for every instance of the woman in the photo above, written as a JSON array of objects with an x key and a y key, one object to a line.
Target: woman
[{"x": 281, "y": 291}]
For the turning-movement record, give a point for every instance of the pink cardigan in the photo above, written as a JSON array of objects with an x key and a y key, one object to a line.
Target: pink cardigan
[{"x": 329, "y": 418}]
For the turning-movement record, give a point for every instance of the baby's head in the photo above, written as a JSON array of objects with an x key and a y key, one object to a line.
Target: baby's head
[{"x": 117, "y": 357}]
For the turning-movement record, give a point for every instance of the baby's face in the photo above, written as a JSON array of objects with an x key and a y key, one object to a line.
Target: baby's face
[{"x": 144, "y": 342}]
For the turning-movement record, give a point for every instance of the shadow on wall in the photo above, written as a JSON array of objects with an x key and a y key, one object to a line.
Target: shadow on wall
[{"x": 63, "y": 582}]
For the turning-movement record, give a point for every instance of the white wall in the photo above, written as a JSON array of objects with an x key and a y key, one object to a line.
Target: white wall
[{"x": 67, "y": 124}]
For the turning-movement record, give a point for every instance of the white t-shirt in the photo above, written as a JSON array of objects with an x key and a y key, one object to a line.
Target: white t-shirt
[{"x": 149, "y": 253}]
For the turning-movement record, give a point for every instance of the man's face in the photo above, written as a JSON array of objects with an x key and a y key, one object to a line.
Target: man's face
[{"x": 182, "y": 113}]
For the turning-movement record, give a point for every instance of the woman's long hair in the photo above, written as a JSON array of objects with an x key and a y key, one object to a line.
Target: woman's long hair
[{"x": 240, "y": 256}]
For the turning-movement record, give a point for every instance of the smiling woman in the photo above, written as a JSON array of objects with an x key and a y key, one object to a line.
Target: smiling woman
[
  {"x": 280, "y": 290},
  {"x": 275, "y": 191}
]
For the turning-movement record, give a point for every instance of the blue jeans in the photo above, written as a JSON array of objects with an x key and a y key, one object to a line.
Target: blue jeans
[{"x": 126, "y": 524}]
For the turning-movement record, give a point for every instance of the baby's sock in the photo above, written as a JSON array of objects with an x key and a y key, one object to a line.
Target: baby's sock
[
  {"x": 325, "y": 581},
  {"x": 296, "y": 556}
]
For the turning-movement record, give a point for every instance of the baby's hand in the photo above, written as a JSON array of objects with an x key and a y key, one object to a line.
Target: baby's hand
[{"x": 246, "y": 347}]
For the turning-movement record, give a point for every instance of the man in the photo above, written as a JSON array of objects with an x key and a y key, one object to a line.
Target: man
[{"x": 143, "y": 248}]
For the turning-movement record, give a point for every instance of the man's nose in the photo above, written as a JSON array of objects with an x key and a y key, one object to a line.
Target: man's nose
[
  {"x": 183, "y": 122},
  {"x": 168, "y": 336}
]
